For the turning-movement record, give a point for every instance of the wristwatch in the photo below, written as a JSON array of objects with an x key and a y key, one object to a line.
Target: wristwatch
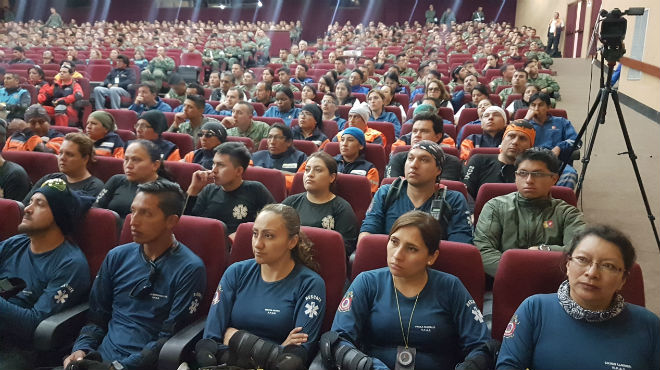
[{"x": 544, "y": 247}]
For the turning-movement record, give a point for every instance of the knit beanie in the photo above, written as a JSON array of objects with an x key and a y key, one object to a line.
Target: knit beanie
[
  {"x": 315, "y": 111},
  {"x": 106, "y": 119},
  {"x": 356, "y": 133},
  {"x": 156, "y": 119},
  {"x": 67, "y": 206},
  {"x": 363, "y": 110}
]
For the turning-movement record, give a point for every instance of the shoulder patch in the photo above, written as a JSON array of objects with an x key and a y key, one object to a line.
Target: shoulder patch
[
  {"x": 345, "y": 304},
  {"x": 216, "y": 296},
  {"x": 511, "y": 327}
]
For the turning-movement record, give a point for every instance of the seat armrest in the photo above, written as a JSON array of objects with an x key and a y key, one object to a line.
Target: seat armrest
[
  {"x": 61, "y": 329},
  {"x": 180, "y": 345}
]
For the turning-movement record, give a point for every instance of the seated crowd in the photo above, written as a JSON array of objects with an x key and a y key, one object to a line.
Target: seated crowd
[{"x": 419, "y": 123}]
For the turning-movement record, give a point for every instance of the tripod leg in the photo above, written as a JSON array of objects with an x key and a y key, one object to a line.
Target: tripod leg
[
  {"x": 582, "y": 131},
  {"x": 633, "y": 160},
  {"x": 590, "y": 147}
]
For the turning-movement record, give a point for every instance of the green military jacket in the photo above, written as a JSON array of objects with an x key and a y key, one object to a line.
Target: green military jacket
[
  {"x": 166, "y": 65},
  {"x": 514, "y": 222},
  {"x": 544, "y": 81},
  {"x": 541, "y": 56}
]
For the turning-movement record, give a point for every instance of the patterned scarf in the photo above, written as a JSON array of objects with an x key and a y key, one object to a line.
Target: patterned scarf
[{"x": 574, "y": 310}]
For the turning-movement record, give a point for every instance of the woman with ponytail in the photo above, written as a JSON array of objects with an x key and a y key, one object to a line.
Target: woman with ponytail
[{"x": 268, "y": 309}]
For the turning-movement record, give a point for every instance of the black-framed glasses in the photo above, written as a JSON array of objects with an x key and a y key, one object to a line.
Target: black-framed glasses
[
  {"x": 535, "y": 175},
  {"x": 145, "y": 285}
]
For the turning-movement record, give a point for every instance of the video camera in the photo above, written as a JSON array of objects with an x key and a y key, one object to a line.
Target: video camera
[{"x": 613, "y": 31}]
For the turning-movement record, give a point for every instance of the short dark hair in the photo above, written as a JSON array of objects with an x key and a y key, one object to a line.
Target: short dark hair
[
  {"x": 360, "y": 73},
  {"x": 19, "y": 49},
  {"x": 341, "y": 59},
  {"x": 542, "y": 155},
  {"x": 543, "y": 96},
  {"x": 286, "y": 131},
  {"x": 392, "y": 76},
  {"x": 124, "y": 58},
  {"x": 482, "y": 89},
  {"x": 304, "y": 66},
  {"x": 438, "y": 125},
  {"x": 430, "y": 229},
  {"x": 284, "y": 69},
  {"x": 149, "y": 85},
  {"x": 198, "y": 100},
  {"x": 40, "y": 71},
  {"x": 522, "y": 70},
  {"x": 288, "y": 92},
  {"x": 170, "y": 196},
  {"x": 197, "y": 87},
  {"x": 505, "y": 66},
  {"x": 237, "y": 152},
  {"x": 610, "y": 234}
]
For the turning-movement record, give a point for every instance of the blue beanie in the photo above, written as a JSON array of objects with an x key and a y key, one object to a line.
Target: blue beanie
[{"x": 356, "y": 133}]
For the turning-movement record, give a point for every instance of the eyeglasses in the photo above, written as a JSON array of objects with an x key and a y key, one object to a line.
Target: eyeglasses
[
  {"x": 145, "y": 284},
  {"x": 142, "y": 126},
  {"x": 535, "y": 175},
  {"x": 207, "y": 135},
  {"x": 586, "y": 263},
  {"x": 275, "y": 137}
]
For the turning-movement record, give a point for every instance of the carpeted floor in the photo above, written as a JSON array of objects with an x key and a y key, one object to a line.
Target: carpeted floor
[{"x": 611, "y": 194}]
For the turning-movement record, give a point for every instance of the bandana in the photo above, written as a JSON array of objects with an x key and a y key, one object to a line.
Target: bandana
[
  {"x": 434, "y": 149},
  {"x": 574, "y": 310},
  {"x": 530, "y": 132}
]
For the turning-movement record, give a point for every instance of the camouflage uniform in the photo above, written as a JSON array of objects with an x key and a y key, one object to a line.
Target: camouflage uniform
[
  {"x": 497, "y": 82},
  {"x": 249, "y": 49},
  {"x": 409, "y": 72},
  {"x": 543, "y": 57},
  {"x": 233, "y": 54},
  {"x": 217, "y": 58},
  {"x": 158, "y": 70},
  {"x": 544, "y": 81},
  {"x": 278, "y": 86}
]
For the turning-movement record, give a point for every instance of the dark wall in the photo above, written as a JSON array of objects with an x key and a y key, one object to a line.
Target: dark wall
[{"x": 315, "y": 14}]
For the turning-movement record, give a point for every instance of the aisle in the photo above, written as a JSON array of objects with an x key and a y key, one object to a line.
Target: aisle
[{"x": 611, "y": 194}]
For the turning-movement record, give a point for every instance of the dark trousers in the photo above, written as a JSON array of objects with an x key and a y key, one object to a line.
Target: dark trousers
[{"x": 553, "y": 45}]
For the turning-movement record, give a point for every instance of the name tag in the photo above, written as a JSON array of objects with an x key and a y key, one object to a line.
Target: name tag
[
  {"x": 359, "y": 172},
  {"x": 290, "y": 165},
  {"x": 108, "y": 144}
]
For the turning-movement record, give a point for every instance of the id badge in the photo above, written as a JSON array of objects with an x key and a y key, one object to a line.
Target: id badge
[
  {"x": 117, "y": 80},
  {"x": 405, "y": 358}
]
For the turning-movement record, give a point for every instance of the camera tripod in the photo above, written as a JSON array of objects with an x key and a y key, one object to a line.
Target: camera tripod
[{"x": 602, "y": 99}]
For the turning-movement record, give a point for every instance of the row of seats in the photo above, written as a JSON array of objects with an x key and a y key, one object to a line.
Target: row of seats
[
  {"x": 355, "y": 189},
  {"x": 521, "y": 273}
]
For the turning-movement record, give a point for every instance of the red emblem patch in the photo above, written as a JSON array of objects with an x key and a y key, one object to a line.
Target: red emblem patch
[
  {"x": 511, "y": 327},
  {"x": 345, "y": 304}
]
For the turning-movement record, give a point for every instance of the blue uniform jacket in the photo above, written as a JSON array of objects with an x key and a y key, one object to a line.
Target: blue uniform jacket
[
  {"x": 269, "y": 310},
  {"x": 380, "y": 221},
  {"x": 447, "y": 326},
  {"x": 541, "y": 329},
  {"x": 389, "y": 117},
  {"x": 160, "y": 105},
  {"x": 556, "y": 131},
  {"x": 132, "y": 330},
  {"x": 288, "y": 161},
  {"x": 55, "y": 280},
  {"x": 208, "y": 109},
  {"x": 287, "y": 117}
]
